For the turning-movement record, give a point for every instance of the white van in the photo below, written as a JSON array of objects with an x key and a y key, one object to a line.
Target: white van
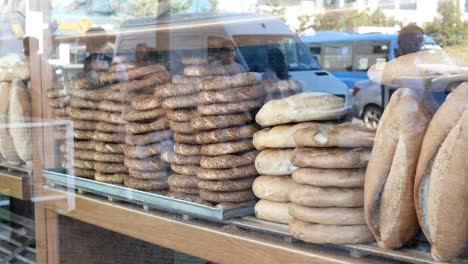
[{"x": 251, "y": 35}]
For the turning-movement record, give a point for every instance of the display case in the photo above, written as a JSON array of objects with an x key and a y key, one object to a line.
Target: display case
[{"x": 208, "y": 131}]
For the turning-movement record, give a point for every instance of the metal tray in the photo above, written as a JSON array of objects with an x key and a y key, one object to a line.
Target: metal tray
[
  {"x": 421, "y": 254},
  {"x": 152, "y": 200}
]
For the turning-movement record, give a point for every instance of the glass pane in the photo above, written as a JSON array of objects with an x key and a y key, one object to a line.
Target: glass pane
[{"x": 337, "y": 56}]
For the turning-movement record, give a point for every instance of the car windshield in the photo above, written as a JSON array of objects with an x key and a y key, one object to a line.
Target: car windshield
[{"x": 255, "y": 51}]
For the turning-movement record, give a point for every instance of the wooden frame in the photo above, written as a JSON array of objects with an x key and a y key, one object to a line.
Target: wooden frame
[{"x": 15, "y": 184}]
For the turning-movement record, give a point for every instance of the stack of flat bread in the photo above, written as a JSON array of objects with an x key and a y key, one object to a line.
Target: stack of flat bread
[
  {"x": 328, "y": 205},
  {"x": 225, "y": 129},
  {"x": 180, "y": 99},
  {"x": 273, "y": 164}
]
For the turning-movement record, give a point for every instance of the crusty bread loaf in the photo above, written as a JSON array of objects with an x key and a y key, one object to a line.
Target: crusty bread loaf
[
  {"x": 272, "y": 211},
  {"x": 441, "y": 178},
  {"x": 336, "y": 234},
  {"x": 389, "y": 204},
  {"x": 330, "y": 177},
  {"x": 273, "y": 188},
  {"x": 301, "y": 107},
  {"x": 281, "y": 136},
  {"x": 330, "y": 158},
  {"x": 274, "y": 162},
  {"x": 342, "y": 135},
  {"x": 7, "y": 148},
  {"x": 309, "y": 195},
  {"x": 19, "y": 114},
  {"x": 328, "y": 216}
]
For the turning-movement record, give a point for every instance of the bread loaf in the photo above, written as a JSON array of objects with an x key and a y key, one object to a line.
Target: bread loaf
[
  {"x": 301, "y": 107},
  {"x": 272, "y": 211},
  {"x": 441, "y": 182},
  {"x": 389, "y": 204},
  {"x": 7, "y": 148},
  {"x": 314, "y": 196},
  {"x": 273, "y": 188},
  {"x": 330, "y": 158},
  {"x": 330, "y": 177},
  {"x": 281, "y": 136},
  {"x": 343, "y": 135},
  {"x": 19, "y": 114},
  {"x": 274, "y": 162},
  {"x": 328, "y": 216},
  {"x": 336, "y": 234}
]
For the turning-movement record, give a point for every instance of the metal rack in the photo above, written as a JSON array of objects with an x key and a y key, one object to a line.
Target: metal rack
[
  {"x": 147, "y": 199},
  {"x": 17, "y": 241}
]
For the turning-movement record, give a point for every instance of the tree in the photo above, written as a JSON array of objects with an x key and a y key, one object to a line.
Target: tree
[
  {"x": 342, "y": 20},
  {"x": 448, "y": 27},
  {"x": 275, "y": 8}
]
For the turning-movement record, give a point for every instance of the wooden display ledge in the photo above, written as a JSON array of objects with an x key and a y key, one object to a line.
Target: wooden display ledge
[
  {"x": 15, "y": 184},
  {"x": 199, "y": 238}
]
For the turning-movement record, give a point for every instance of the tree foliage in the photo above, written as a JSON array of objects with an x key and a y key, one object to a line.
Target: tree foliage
[
  {"x": 275, "y": 8},
  {"x": 342, "y": 20},
  {"x": 448, "y": 28}
]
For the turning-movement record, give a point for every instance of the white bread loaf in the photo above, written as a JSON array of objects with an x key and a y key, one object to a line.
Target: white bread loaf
[
  {"x": 273, "y": 188},
  {"x": 389, "y": 204},
  {"x": 330, "y": 177},
  {"x": 330, "y": 158},
  {"x": 272, "y": 211},
  {"x": 274, "y": 162},
  {"x": 7, "y": 148},
  {"x": 441, "y": 184},
  {"x": 301, "y": 107},
  {"x": 314, "y": 196},
  {"x": 281, "y": 136},
  {"x": 336, "y": 234},
  {"x": 328, "y": 216},
  {"x": 19, "y": 114},
  {"x": 342, "y": 135}
]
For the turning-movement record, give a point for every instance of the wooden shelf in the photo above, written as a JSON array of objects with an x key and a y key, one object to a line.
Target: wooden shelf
[
  {"x": 15, "y": 184},
  {"x": 203, "y": 239}
]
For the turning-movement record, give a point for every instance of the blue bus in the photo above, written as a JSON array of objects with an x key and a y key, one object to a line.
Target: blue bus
[{"x": 348, "y": 56}]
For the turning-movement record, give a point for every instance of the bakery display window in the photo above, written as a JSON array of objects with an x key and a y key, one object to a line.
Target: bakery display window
[{"x": 176, "y": 131}]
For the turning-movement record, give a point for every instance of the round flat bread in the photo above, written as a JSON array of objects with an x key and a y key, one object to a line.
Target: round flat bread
[
  {"x": 272, "y": 211},
  {"x": 139, "y": 128},
  {"x": 334, "y": 234},
  {"x": 226, "y": 134},
  {"x": 273, "y": 188},
  {"x": 183, "y": 190},
  {"x": 115, "y": 178},
  {"x": 220, "y": 121},
  {"x": 112, "y": 148},
  {"x": 185, "y": 138},
  {"x": 84, "y": 173},
  {"x": 146, "y": 185},
  {"x": 182, "y": 127},
  {"x": 327, "y": 196},
  {"x": 225, "y": 82},
  {"x": 151, "y": 164},
  {"x": 173, "y": 158},
  {"x": 330, "y": 177},
  {"x": 231, "y": 95},
  {"x": 149, "y": 138},
  {"x": 229, "y": 108},
  {"x": 328, "y": 216},
  {"x": 228, "y": 161},
  {"x": 140, "y": 152},
  {"x": 181, "y": 115},
  {"x": 226, "y": 185},
  {"x": 149, "y": 175},
  {"x": 187, "y": 149},
  {"x": 108, "y": 157},
  {"x": 227, "y": 174},
  {"x": 228, "y": 197},
  {"x": 226, "y": 148},
  {"x": 182, "y": 181},
  {"x": 330, "y": 158},
  {"x": 185, "y": 169}
]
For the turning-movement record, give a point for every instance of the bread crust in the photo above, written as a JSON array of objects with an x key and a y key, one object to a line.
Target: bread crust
[
  {"x": 173, "y": 158},
  {"x": 229, "y": 108},
  {"x": 301, "y": 107},
  {"x": 226, "y": 185},
  {"x": 171, "y": 90},
  {"x": 108, "y": 127},
  {"x": 147, "y": 185},
  {"x": 184, "y": 101},
  {"x": 226, "y": 134},
  {"x": 389, "y": 204},
  {"x": 228, "y": 161},
  {"x": 220, "y": 121},
  {"x": 210, "y": 70},
  {"x": 342, "y": 135},
  {"x": 274, "y": 162},
  {"x": 181, "y": 115},
  {"x": 187, "y": 149},
  {"x": 150, "y": 164},
  {"x": 272, "y": 211},
  {"x": 185, "y": 138},
  {"x": 273, "y": 188},
  {"x": 226, "y": 174},
  {"x": 226, "y": 148},
  {"x": 146, "y": 103},
  {"x": 330, "y": 177},
  {"x": 112, "y": 148},
  {"x": 335, "y": 234},
  {"x": 106, "y": 167},
  {"x": 231, "y": 95},
  {"x": 174, "y": 189},
  {"x": 139, "y": 128},
  {"x": 182, "y": 127},
  {"x": 225, "y": 82},
  {"x": 149, "y": 138},
  {"x": 134, "y": 115},
  {"x": 182, "y": 181},
  {"x": 229, "y": 197},
  {"x": 281, "y": 136},
  {"x": 330, "y": 158},
  {"x": 314, "y": 196},
  {"x": 328, "y": 216},
  {"x": 149, "y": 175},
  {"x": 145, "y": 151},
  {"x": 109, "y": 137},
  {"x": 185, "y": 169},
  {"x": 115, "y": 178}
]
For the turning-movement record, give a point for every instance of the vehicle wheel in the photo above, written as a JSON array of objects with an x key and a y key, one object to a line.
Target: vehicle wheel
[{"x": 371, "y": 116}]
